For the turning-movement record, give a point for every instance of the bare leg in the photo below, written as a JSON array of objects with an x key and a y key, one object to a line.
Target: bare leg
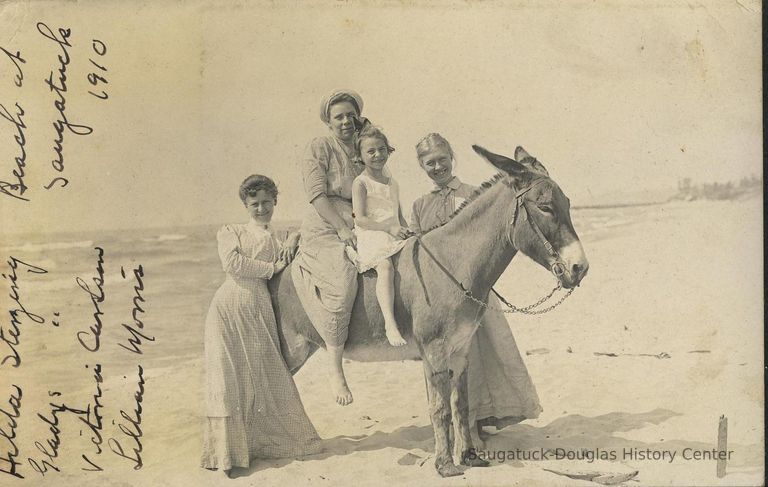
[
  {"x": 385, "y": 293},
  {"x": 338, "y": 381}
]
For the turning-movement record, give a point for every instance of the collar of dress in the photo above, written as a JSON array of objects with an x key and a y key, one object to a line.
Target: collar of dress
[
  {"x": 259, "y": 227},
  {"x": 453, "y": 184}
]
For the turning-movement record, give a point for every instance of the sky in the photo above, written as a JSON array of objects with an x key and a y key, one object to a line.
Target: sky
[{"x": 614, "y": 98}]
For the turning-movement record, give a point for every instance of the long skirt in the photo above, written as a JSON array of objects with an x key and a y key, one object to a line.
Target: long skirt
[
  {"x": 253, "y": 408},
  {"x": 500, "y": 389},
  {"x": 324, "y": 277}
]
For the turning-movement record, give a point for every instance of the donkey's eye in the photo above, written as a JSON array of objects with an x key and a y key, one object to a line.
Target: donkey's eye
[{"x": 547, "y": 209}]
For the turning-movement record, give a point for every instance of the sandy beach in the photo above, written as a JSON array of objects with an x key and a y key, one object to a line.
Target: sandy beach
[
  {"x": 645, "y": 355},
  {"x": 127, "y": 128}
]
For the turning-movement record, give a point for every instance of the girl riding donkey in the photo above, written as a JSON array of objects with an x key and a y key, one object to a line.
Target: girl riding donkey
[{"x": 379, "y": 223}]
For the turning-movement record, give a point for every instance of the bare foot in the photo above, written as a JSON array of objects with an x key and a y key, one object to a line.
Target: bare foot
[
  {"x": 394, "y": 337},
  {"x": 341, "y": 391}
]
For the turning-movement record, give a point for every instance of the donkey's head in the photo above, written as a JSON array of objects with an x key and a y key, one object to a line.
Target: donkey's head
[{"x": 539, "y": 223}]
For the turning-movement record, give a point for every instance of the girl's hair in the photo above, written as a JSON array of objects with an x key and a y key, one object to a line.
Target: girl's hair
[
  {"x": 370, "y": 132},
  {"x": 431, "y": 141},
  {"x": 255, "y": 183}
]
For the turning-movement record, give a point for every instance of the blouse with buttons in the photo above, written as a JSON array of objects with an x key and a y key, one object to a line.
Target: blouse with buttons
[{"x": 435, "y": 208}]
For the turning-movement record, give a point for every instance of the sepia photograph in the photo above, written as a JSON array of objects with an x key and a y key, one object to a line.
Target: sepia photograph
[{"x": 380, "y": 242}]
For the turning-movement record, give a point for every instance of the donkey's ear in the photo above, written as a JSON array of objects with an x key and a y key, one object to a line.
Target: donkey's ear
[
  {"x": 509, "y": 166},
  {"x": 529, "y": 161},
  {"x": 521, "y": 153}
]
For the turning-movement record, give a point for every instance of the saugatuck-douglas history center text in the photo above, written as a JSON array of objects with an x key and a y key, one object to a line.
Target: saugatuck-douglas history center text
[{"x": 592, "y": 454}]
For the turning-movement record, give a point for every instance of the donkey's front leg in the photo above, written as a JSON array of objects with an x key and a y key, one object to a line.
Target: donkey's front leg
[
  {"x": 440, "y": 413},
  {"x": 460, "y": 406}
]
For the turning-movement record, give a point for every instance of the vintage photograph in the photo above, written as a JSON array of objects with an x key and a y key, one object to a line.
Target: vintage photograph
[{"x": 503, "y": 243}]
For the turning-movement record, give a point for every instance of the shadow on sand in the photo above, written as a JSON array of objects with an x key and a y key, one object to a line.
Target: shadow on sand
[{"x": 571, "y": 432}]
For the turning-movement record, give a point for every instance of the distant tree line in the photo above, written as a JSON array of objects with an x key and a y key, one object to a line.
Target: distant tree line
[{"x": 687, "y": 190}]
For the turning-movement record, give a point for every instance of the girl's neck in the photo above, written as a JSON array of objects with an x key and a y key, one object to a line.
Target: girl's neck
[
  {"x": 376, "y": 175},
  {"x": 444, "y": 184}
]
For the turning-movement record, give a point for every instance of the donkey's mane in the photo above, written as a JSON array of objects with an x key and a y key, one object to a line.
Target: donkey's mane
[
  {"x": 528, "y": 162},
  {"x": 482, "y": 189}
]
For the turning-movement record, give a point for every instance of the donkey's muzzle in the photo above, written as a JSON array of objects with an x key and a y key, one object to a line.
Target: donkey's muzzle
[
  {"x": 572, "y": 266},
  {"x": 579, "y": 271}
]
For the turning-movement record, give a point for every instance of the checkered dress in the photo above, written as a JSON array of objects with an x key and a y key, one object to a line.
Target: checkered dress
[{"x": 252, "y": 405}]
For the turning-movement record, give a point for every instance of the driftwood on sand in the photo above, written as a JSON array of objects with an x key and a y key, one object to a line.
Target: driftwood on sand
[{"x": 603, "y": 478}]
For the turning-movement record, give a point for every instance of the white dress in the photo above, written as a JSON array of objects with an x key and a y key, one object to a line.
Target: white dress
[
  {"x": 382, "y": 203},
  {"x": 253, "y": 408}
]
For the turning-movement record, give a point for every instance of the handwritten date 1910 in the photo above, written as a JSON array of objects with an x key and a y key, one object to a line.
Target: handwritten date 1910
[{"x": 95, "y": 79}]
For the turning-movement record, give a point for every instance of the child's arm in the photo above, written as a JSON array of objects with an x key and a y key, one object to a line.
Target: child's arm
[
  {"x": 358, "y": 208},
  {"x": 402, "y": 231}
]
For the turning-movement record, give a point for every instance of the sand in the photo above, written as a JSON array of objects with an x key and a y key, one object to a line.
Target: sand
[{"x": 680, "y": 282}]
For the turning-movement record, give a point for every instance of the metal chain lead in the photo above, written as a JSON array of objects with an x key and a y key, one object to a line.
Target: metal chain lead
[
  {"x": 544, "y": 310},
  {"x": 528, "y": 310}
]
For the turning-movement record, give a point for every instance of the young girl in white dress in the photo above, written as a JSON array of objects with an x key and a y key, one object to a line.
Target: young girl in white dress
[{"x": 379, "y": 224}]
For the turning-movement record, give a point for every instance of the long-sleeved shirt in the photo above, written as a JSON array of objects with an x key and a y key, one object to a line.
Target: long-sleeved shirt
[
  {"x": 327, "y": 169},
  {"x": 247, "y": 251},
  {"x": 435, "y": 208}
]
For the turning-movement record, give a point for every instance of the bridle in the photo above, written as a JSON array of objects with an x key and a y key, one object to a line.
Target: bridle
[{"x": 556, "y": 264}]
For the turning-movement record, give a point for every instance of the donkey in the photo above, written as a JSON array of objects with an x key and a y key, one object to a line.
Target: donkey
[{"x": 519, "y": 209}]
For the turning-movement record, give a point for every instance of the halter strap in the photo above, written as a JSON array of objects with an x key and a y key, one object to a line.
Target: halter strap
[
  {"x": 556, "y": 266},
  {"x": 439, "y": 264},
  {"x": 518, "y": 203}
]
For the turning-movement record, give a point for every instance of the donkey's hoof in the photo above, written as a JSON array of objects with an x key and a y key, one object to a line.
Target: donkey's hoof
[
  {"x": 474, "y": 462},
  {"x": 448, "y": 470}
]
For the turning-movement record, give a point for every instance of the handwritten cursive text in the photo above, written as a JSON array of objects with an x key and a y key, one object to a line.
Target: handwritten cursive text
[
  {"x": 15, "y": 412},
  {"x": 97, "y": 297},
  {"x": 133, "y": 430},
  {"x": 60, "y": 87},
  {"x": 11, "y": 338},
  {"x": 10, "y": 189}
]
